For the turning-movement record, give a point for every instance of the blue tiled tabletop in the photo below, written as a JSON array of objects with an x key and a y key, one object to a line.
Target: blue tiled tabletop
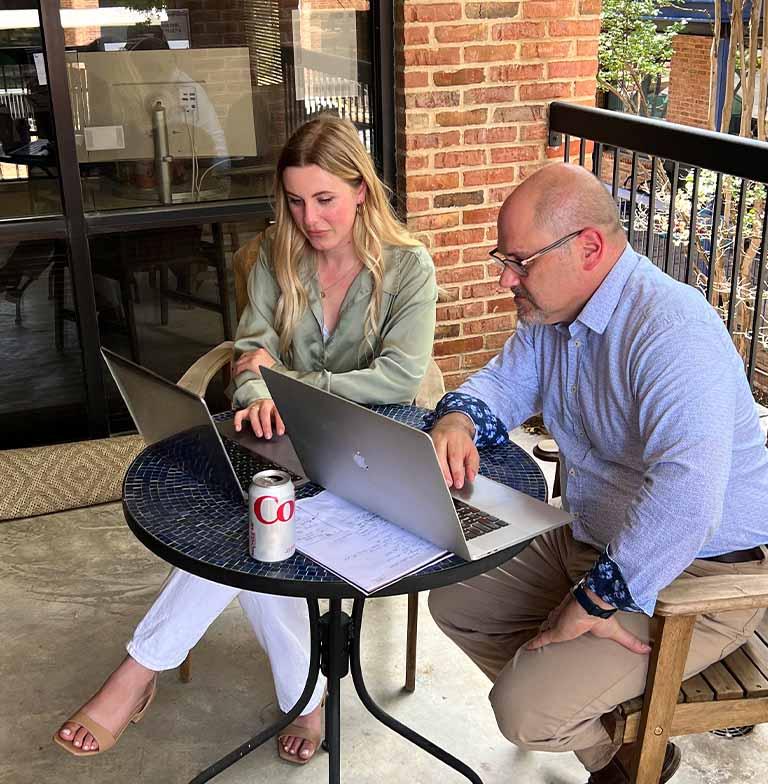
[{"x": 192, "y": 525}]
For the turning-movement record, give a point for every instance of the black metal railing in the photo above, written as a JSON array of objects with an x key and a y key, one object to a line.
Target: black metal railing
[{"x": 694, "y": 202}]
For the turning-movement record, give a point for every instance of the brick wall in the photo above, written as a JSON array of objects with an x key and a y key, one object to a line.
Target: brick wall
[
  {"x": 689, "y": 81},
  {"x": 473, "y": 83}
]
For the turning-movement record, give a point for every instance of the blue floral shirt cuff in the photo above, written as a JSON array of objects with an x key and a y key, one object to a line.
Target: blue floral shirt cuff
[
  {"x": 489, "y": 429},
  {"x": 606, "y": 580}
]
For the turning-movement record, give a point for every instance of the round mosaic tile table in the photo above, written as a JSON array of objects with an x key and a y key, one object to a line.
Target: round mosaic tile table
[{"x": 192, "y": 525}]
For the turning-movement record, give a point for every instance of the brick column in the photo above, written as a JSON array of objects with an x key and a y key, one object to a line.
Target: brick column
[
  {"x": 689, "y": 81},
  {"x": 474, "y": 80}
]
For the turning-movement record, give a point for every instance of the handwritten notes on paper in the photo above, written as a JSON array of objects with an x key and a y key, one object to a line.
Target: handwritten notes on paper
[{"x": 364, "y": 549}]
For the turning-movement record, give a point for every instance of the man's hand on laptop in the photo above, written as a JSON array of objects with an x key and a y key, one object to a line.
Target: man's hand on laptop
[
  {"x": 453, "y": 437},
  {"x": 264, "y": 419},
  {"x": 253, "y": 360}
]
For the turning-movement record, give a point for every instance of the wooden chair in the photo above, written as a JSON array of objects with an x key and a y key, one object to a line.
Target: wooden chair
[
  {"x": 730, "y": 693},
  {"x": 199, "y": 375}
]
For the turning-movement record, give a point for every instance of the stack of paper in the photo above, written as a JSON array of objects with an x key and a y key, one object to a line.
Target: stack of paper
[{"x": 362, "y": 548}]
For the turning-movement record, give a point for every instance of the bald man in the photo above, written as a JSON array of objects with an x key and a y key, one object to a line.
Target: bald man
[{"x": 665, "y": 472}]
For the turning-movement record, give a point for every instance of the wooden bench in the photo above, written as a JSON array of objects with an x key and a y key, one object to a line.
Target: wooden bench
[{"x": 730, "y": 693}]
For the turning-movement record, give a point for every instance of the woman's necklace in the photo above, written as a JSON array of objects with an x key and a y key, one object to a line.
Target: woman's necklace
[{"x": 325, "y": 289}]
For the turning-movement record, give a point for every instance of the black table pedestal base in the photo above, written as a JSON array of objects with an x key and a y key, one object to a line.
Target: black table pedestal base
[{"x": 335, "y": 649}]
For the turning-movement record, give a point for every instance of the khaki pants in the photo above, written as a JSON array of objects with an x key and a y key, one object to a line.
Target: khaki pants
[{"x": 552, "y": 699}]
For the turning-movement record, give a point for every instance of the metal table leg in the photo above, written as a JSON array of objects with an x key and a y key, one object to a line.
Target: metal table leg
[
  {"x": 286, "y": 719},
  {"x": 385, "y": 718}
]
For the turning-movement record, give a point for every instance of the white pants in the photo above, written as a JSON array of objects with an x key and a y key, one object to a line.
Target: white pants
[{"x": 188, "y": 605}]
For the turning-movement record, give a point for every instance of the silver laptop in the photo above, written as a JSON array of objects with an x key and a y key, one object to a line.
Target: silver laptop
[
  {"x": 391, "y": 469},
  {"x": 162, "y": 409}
]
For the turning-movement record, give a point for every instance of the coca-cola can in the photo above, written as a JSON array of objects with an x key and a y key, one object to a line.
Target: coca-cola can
[{"x": 271, "y": 507}]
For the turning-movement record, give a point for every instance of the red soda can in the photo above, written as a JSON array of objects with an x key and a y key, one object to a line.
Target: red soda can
[{"x": 271, "y": 507}]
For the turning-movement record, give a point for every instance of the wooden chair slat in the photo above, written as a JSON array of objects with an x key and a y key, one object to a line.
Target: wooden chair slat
[
  {"x": 757, "y": 650},
  {"x": 724, "y": 685},
  {"x": 696, "y": 689},
  {"x": 745, "y": 672}
]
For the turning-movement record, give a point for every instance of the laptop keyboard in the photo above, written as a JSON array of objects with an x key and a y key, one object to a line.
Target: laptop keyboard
[{"x": 475, "y": 523}]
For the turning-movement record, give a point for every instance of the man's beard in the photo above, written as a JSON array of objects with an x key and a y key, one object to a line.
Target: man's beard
[{"x": 533, "y": 313}]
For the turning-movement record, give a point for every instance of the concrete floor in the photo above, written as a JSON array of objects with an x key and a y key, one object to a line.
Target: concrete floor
[{"x": 75, "y": 584}]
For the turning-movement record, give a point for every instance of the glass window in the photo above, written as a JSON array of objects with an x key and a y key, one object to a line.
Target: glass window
[
  {"x": 193, "y": 103},
  {"x": 43, "y": 387},
  {"x": 29, "y": 182},
  {"x": 166, "y": 296}
]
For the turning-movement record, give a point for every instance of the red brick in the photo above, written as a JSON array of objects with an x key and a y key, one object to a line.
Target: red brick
[
  {"x": 457, "y": 312},
  {"x": 458, "y": 199},
  {"x": 484, "y": 325},
  {"x": 545, "y": 90},
  {"x": 514, "y": 154},
  {"x": 447, "y": 331},
  {"x": 416, "y": 204},
  {"x": 549, "y": 9},
  {"x": 432, "y": 100},
  {"x": 491, "y": 10},
  {"x": 461, "y": 237},
  {"x": 441, "y": 12},
  {"x": 558, "y": 70},
  {"x": 448, "y": 363},
  {"x": 479, "y": 216},
  {"x": 489, "y": 176},
  {"x": 514, "y": 114},
  {"x": 444, "y": 258},
  {"x": 481, "y": 358},
  {"x": 516, "y": 73},
  {"x": 444, "y": 220},
  {"x": 488, "y": 54},
  {"x": 475, "y": 254},
  {"x": 416, "y": 162},
  {"x": 491, "y": 234},
  {"x": 443, "y": 348},
  {"x": 416, "y": 78},
  {"x": 443, "y": 56},
  {"x": 460, "y": 274},
  {"x": 473, "y": 117},
  {"x": 587, "y": 7},
  {"x": 432, "y": 140},
  {"x": 515, "y": 31},
  {"x": 454, "y": 380},
  {"x": 465, "y": 76},
  {"x": 454, "y": 160},
  {"x": 496, "y": 341},
  {"x": 490, "y": 135},
  {"x": 588, "y": 87},
  {"x": 530, "y": 133},
  {"x": 490, "y": 289},
  {"x": 545, "y": 50},
  {"x": 497, "y": 195},
  {"x": 485, "y": 95},
  {"x": 587, "y": 27},
  {"x": 501, "y": 305},
  {"x": 590, "y": 49},
  {"x": 433, "y": 182},
  {"x": 455, "y": 33},
  {"x": 413, "y": 35}
]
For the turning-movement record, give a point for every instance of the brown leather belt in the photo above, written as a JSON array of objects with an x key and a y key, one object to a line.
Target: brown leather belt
[{"x": 738, "y": 556}]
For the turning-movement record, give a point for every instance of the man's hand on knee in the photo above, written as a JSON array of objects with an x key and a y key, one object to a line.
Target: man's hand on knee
[{"x": 570, "y": 620}]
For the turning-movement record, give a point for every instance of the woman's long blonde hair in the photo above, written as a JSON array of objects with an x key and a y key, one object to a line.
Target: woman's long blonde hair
[{"x": 332, "y": 144}]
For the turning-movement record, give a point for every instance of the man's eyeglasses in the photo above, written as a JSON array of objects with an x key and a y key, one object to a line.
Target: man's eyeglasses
[{"x": 520, "y": 266}]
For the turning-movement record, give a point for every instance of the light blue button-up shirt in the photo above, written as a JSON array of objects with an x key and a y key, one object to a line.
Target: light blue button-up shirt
[{"x": 662, "y": 454}]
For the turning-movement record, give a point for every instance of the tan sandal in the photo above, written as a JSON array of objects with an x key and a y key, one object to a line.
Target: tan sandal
[
  {"x": 104, "y": 737},
  {"x": 304, "y": 733}
]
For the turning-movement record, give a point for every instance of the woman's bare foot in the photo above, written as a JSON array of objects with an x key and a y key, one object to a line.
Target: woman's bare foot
[
  {"x": 113, "y": 705},
  {"x": 302, "y": 747}
]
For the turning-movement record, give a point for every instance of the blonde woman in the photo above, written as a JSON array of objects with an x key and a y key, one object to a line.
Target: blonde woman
[{"x": 340, "y": 297}]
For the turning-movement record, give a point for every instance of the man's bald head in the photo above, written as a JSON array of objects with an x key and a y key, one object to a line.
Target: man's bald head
[{"x": 565, "y": 198}]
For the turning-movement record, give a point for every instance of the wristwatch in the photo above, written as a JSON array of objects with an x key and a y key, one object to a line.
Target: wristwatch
[{"x": 582, "y": 597}]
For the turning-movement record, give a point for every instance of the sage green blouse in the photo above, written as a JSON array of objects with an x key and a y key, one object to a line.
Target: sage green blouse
[{"x": 345, "y": 363}]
